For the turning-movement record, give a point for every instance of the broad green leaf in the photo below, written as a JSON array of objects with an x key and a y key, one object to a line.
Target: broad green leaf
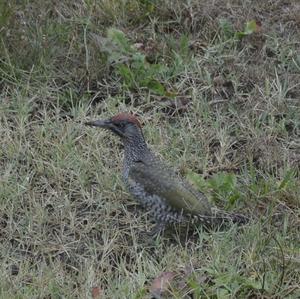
[
  {"x": 196, "y": 180},
  {"x": 120, "y": 39},
  {"x": 224, "y": 187},
  {"x": 156, "y": 87},
  {"x": 250, "y": 28},
  {"x": 126, "y": 73}
]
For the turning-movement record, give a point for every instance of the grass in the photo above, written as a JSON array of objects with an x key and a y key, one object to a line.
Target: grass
[{"x": 220, "y": 103}]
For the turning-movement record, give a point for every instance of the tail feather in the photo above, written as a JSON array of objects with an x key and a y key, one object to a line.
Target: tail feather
[
  {"x": 219, "y": 217},
  {"x": 235, "y": 218}
]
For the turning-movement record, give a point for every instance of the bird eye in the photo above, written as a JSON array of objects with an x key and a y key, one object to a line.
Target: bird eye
[{"x": 121, "y": 125}]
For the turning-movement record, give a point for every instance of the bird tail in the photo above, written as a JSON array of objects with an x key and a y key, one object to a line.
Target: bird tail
[
  {"x": 232, "y": 217},
  {"x": 219, "y": 217}
]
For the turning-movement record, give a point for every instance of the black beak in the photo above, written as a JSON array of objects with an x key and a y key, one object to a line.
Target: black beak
[{"x": 106, "y": 124}]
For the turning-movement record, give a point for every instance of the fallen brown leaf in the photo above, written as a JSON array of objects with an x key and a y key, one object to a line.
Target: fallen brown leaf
[
  {"x": 161, "y": 284},
  {"x": 96, "y": 292}
]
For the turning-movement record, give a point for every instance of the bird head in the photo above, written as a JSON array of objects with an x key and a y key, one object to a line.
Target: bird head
[{"x": 125, "y": 125}]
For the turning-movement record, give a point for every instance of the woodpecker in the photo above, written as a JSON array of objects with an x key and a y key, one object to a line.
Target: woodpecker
[{"x": 166, "y": 196}]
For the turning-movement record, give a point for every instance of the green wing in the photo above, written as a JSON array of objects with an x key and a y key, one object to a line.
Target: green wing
[{"x": 163, "y": 183}]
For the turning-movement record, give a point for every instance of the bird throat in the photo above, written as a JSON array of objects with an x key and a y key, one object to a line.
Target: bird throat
[{"x": 134, "y": 152}]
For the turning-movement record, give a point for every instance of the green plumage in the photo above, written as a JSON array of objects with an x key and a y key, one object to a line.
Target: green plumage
[{"x": 166, "y": 185}]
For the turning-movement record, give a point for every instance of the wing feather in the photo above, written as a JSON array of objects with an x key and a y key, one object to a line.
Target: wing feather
[{"x": 160, "y": 182}]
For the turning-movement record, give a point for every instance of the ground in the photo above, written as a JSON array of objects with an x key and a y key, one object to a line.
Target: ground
[{"x": 216, "y": 85}]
